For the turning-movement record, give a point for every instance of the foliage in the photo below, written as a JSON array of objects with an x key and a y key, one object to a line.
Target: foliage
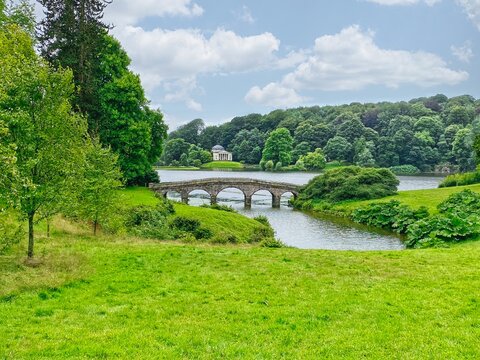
[
  {"x": 467, "y": 178},
  {"x": 48, "y": 137},
  {"x": 149, "y": 221},
  {"x": 262, "y": 219},
  {"x": 392, "y": 215},
  {"x": 348, "y": 183},
  {"x": 189, "y": 132},
  {"x": 338, "y": 148},
  {"x": 465, "y": 201},
  {"x": 220, "y": 207},
  {"x": 247, "y": 146},
  {"x": 100, "y": 179},
  {"x": 272, "y": 243},
  {"x": 278, "y": 147},
  {"x": 11, "y": 232},
  {"x": 313, "y": 160},
  {"x": 404, "y": 170}
]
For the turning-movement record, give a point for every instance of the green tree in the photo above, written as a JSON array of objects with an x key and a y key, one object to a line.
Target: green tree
[
  {"x": 71, "y": 36},
  {"x": 101, "y": 177},
  {"x": 189, "y": 132},
  {"x": 126, "y": 124},
  {"x": 278, "y": 147},
  {"x": 338, "y": 148},
  {"x": 460, "y": 115},
  {"x": 301, "y": 149},
  {"x": 314, "y": 160},
  {"x": 462, "y": 149},
  {"x": 351, "y": 130},
  {"x": 198, "y": 155},
  {"x": 174, "y": 149},
  {"x": 8, "y": 169},
  {"x": 246, "y": 146},
  {"x": 48, "y": 137}
]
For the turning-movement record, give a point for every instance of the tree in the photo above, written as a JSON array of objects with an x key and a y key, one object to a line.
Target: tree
[
  {"x": 301, "y": 149},
  {"x": 126, "y": 124},
  {"x": 314, "y": 160},
  {"x": 71, "y": 36},
  {"x": 198, "y": 155},
  {"x": 278, "y": 147},
  {"x": 189, "y": 132},
  {"x": 351, "y": 130},
  {"x": 315, "y": 135},
  {"x": 460, "y": 115},
  {"x": 431, "y": 124},
  {"x": 462, "y": 149},
  {"x": 338, "y": 148},
  {"x": 8, "y": 169},
  {"x": 48, "y": 137},
  {"x": 246, "y": 146},
  {"x": 174, "y": 149},
  {"x": 101, "y": 177}
]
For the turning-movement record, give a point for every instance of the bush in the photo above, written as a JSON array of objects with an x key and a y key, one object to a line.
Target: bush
[
  {"x": 278, "y": 166},
  {"x": 261, "y": 233},
  {"x": 224, "y": 238},
  {"x": 465, "y": 201},
  {"x": 10, "y": 233},
  {"x": 272, "y": 243},
  {"x": 220, "y": 207},
  {"x": 147, "y": 221},
  {"x": 405, "y": 170},
  {"x": 202, "y": 233},
  {"x": 182, "y": 223},
  {"x": 269, "y": 165},
  {"x": 262, "y": 219},
  {"x": 468, "y": 178},
  {"x": 391, "y": 216},
  {"x": 350, "y": 183}
]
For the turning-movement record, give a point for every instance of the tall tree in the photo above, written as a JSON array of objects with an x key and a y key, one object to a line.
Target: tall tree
[
  {"x": 48, "y": 136},
  {"x": 71, "y": 35},
  {"x": 278, "y": 147}
]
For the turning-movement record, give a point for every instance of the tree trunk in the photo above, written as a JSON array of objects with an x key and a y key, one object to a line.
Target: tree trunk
[
  {"x": 48, "y": 228},
  {"x": 30, "y": 235},
  {"x": 95, "y": 227}
]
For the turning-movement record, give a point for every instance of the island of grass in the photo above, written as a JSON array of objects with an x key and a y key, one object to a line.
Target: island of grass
[{"x": 221, "y": 165}]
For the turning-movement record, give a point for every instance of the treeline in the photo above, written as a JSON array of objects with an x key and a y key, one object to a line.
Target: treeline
[
  {"x": 427, "y": 133},
  {"x": 74, "y": 121}
]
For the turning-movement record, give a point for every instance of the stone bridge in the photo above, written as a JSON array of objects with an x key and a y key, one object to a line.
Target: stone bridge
[{"x": 214, "y": 186}]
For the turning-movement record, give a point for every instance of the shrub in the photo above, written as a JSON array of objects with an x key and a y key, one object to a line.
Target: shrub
[
  {"x": 202, "y": 233},
  {"x": 278, "y": 166},
  {"x": 391, "y": 215},
  {"x": 224, "y": 238},
  {"x": 271, "y": 242},
  {"x": 262, "y": 219},
  {"x": 147, "y": 221},
  {"x": 260, "y": 233},
  {"x": 349, "y": 183},
  {"x": 405, "y": 170},
  {"x": 468, "y": 178},
  {"x": 269, "y": 165},
  {"x": 465, "y": 201},
  {"x": 220, "y": 207},
  {"x": 182, "y": 223},
  {"x": 10, "y": 233}
]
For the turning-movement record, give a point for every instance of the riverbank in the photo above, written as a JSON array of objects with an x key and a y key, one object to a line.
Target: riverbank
[{"x": 113, "y": 296}]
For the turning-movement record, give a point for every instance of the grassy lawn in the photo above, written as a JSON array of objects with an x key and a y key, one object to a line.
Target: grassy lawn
[
  {"x": 176, "y": 168},
  {"x": 414, "y": 198},
  {"x": 223, "y": 165},
  {"x": 124, "y": 297}
]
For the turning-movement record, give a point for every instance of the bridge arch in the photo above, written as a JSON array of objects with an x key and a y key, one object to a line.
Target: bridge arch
[{"x": 204, "y": 194}]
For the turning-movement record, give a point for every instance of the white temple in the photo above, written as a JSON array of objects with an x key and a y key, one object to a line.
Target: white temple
[{"x": 220, "y": 154}]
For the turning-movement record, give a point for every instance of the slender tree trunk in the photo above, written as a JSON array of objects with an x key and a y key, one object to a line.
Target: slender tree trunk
[
  {"x": 48, "y": 228},
  {"x": 95, "y": 223},
  {"x": 30, "y": 235}
]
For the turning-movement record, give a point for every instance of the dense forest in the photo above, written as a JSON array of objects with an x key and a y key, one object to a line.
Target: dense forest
[{"x": 430, "y": 134}]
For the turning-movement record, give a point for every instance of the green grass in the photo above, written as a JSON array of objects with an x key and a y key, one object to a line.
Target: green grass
[
  {"x": 223, "y": 165},
  {"x": 176, "y": 168},
  {"x": 429, "y": 198},
  {"x": 129, "y": 298},
  {"x": 124, "y": 297}
]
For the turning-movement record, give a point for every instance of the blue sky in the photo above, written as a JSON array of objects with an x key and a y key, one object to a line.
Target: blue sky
[{"x": 218, "y": 59}]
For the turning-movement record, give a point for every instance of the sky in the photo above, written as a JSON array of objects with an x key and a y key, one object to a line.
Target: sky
[{"x": 215, "y": 59}]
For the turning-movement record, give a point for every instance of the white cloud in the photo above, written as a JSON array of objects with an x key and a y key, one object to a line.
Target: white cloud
[
  {"x": 173, "y": 59},
  {"x": 274, "y": 95},
  {"x": 246, "y": 15},
  {"x": 404, "y": 2},
  {"x": 464, "y": 52},
  {"x": 128, "y": 12},
  {"x": 350, "y": 60},
  {"x": 472, "y": 9}
]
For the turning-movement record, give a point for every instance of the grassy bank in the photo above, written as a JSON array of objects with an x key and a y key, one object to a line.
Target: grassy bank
[
  {"x": 223, "y": 165},
  {"x": 429, "y": 198},
  {"x": 114, "y": 297}
]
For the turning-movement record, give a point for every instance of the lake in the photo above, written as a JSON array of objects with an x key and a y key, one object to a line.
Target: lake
[{"x": 293, "y": 227}]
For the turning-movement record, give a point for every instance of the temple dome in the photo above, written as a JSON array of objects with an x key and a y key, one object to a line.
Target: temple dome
[{"x": 218, "y": 148}]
